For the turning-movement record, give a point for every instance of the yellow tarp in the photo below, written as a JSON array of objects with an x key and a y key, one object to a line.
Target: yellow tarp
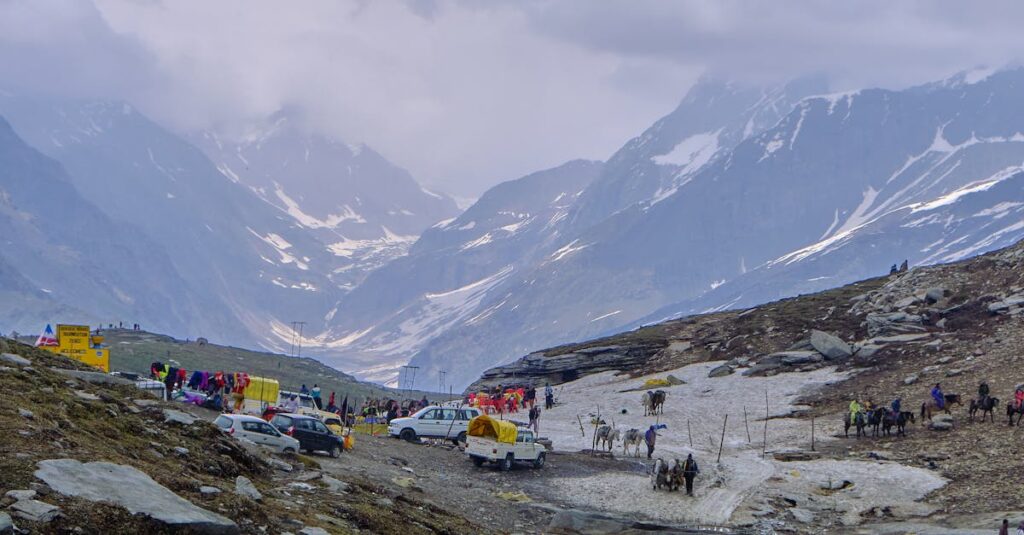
[
  {"x": 656, "y": 382},
  {"x": 485, "y": 426},
  {"x": 262, "y": 389}
]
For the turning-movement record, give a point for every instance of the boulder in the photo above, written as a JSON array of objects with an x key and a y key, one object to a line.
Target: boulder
[
  {"x": 18, "y": 495},
  {"x": 132, "y": 489},
  {"x": 796, "y": 358},
  {"x": 206, "y": 490},
  {"x": 867, "y": 350},
  {"x": 934, "y": 295},
  {"x": 35, "y": 511},
  {"x": 17, "y": 360},
  {"x": 87, "y": 396},
  {"x": 244, "y": 487},
  {"x": 911, "y": 379},
  {"x": 720, "y": 371},
  {"x": 172, "y": 416},
  {"x": 313, "y": 531},
  {"x": 832, "y": 347},
  {"x": 6, "y": 524},
  {"x": 335, "y": 485},
  {"x": 25, "y": 413},
  {"x": 573, "y": 521},
  {"x": 941, "y": 422},
  {"x": 802, "y": 516},
  {"x": 675, "y": 381}
]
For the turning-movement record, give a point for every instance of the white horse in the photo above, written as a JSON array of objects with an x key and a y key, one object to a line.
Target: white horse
[
  {"x": 606, "y": 436},
  {"x": 633, "y": 437},
  {"x": 660, "y": 475}
]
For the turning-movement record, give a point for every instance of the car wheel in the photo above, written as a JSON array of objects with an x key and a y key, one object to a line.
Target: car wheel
[
  {"x": 478, "y": 461},
  {"x": 408, "y": 435},
  {"x": 289, "y": 450},
  {"x": 506, "y": 463},
  {"x": 539, "y": 462},
  {"x": 335, "y": 451},
  {"x": 461, "y": 438}
]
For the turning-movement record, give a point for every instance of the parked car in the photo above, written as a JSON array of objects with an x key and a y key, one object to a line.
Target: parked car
[
  {"x": 434, "y": 422},
  {"x": 502, "y": 443},
  {"x": 256, "y": 430},
  {"x": 311, "y": 433}
]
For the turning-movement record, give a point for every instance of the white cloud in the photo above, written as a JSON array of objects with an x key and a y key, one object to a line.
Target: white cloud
[{"x": 466, "y": 93}]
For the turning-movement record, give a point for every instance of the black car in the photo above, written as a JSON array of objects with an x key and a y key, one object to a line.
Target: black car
[{"x": 311, "y": 433}]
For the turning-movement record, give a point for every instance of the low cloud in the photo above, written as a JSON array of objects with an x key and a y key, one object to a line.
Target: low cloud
[{"x": 467, "y": 93}]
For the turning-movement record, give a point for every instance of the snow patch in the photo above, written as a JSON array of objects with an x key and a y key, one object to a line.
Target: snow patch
[{"x": 567, "y": 250}]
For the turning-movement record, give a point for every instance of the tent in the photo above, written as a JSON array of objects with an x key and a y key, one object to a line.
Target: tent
[{"x": 485, "y": 426}]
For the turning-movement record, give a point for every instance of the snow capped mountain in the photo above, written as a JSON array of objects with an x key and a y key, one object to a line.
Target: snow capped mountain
[
  {"x": 838, "y": 189},
  {"x": 363, "y": 208},
  {"x": 456, "y": 272}
]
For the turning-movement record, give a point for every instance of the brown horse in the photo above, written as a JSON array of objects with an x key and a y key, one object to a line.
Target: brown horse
[
  {"x": 928, "y": 407},
  {"x": 1011, "y": 410},
  {"x": 860, "y": 422},
  {"x": 984, "y": 406}
]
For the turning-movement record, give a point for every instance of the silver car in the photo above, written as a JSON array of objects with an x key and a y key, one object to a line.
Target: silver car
[{"x": 256, "y": 430}]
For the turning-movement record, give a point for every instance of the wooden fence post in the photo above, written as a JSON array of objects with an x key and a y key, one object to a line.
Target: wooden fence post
[
  {"x": 745, "y": 423},
  {"x": 722, "y": 442},
  {"x": 764, "y": 448}
]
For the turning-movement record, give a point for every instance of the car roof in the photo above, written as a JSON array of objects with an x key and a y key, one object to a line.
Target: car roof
[
  {"x": 297, "y": 416},
  {"x": 244, "y": 417}
]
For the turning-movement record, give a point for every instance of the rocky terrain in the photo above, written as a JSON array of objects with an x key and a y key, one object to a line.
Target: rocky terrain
[{"x": 891, "y": 337}]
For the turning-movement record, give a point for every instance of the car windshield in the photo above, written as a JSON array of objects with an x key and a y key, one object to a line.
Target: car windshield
[{"x": 421, "y": 412}]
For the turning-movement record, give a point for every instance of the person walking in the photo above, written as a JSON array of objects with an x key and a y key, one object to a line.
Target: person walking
[
  {"x": 690, "y": 471},
  {"x": 649, "y": 438},
  {"x": 549, "y": 397},
  {"x": 535, "y": 420},
  {"x": 1005, "y": 528}
]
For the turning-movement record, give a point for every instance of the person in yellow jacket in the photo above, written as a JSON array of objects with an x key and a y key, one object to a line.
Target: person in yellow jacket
[{"x": 854, "y": 409}]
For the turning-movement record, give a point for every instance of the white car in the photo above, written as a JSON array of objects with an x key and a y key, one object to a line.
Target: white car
[
  {"x": 434, "y": 422},
  {"x": 256, "y": 430},
  {"x": 488, "y": 449}
]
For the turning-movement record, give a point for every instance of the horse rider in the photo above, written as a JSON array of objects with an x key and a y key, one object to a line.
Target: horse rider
[
  {"x": 983, "y": 393},
  {"x": 938, "y": 396},
  {"x": 855, "y": 409},
  {"x": 896, "y": 407},
  {"x": 1018, "y": 397},
  {"x": 690, "y": 471}
]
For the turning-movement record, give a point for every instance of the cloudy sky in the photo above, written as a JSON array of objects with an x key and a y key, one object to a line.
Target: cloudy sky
[{"x": 468, "y": 93}]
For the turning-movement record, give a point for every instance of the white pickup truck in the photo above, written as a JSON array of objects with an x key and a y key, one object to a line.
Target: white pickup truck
[{"x": 483, "y": 449}]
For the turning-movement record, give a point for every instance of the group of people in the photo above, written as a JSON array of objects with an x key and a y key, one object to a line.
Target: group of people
[
  {"x": 939, "y": 397},
  {"x": 509, "y": 399}
]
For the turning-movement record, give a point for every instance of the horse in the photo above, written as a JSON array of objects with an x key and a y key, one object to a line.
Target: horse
[
  {"x": 659, "y": 474},
  {"x": 874, "y": 419},
  {"x": 859, "y": 422},
  {"x": 928, "y": 407},
  {"x": 1011, "y": 410},
  {"x": 633, "y": 437},
  {"x": 900, "y": 420},
  {"x": 675, "y": 474},
  {"x": 654, "y": 402},
  {"x": 985, "y": 406},
  {"x": 608, "y": 438}
]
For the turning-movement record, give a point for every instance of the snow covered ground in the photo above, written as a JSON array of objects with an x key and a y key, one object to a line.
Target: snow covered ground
[{"x": 743, "y": 483}]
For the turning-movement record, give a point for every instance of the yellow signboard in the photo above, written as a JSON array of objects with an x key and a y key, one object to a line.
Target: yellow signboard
[{"x": 74, "y": 341}]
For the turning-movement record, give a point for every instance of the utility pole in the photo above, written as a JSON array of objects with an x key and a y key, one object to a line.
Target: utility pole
[
  {"x": 297, "y": 327},
  {"x": 412, "y": 382},
  {"x": 440, "y": 382}
]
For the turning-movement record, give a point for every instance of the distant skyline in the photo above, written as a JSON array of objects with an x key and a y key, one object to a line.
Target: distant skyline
[{"x": 466, "y": 94}]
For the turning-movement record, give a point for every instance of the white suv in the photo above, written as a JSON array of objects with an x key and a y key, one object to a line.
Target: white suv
[
  {"x": 256, "y": 430},
  {"x": 434, "y": 422}
]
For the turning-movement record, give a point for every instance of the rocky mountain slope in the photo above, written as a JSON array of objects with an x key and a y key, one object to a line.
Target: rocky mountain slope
[
  {"x": 445, "y": 297},
  {"x": 86, "y": 453},
  {"x": 63, "y": 255},
  {"x": 838, "y": 190},
  {"x": 880, "y": 339},
  {"x": 254, "y": 260},
  {"x": 364, "y": 209}
]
